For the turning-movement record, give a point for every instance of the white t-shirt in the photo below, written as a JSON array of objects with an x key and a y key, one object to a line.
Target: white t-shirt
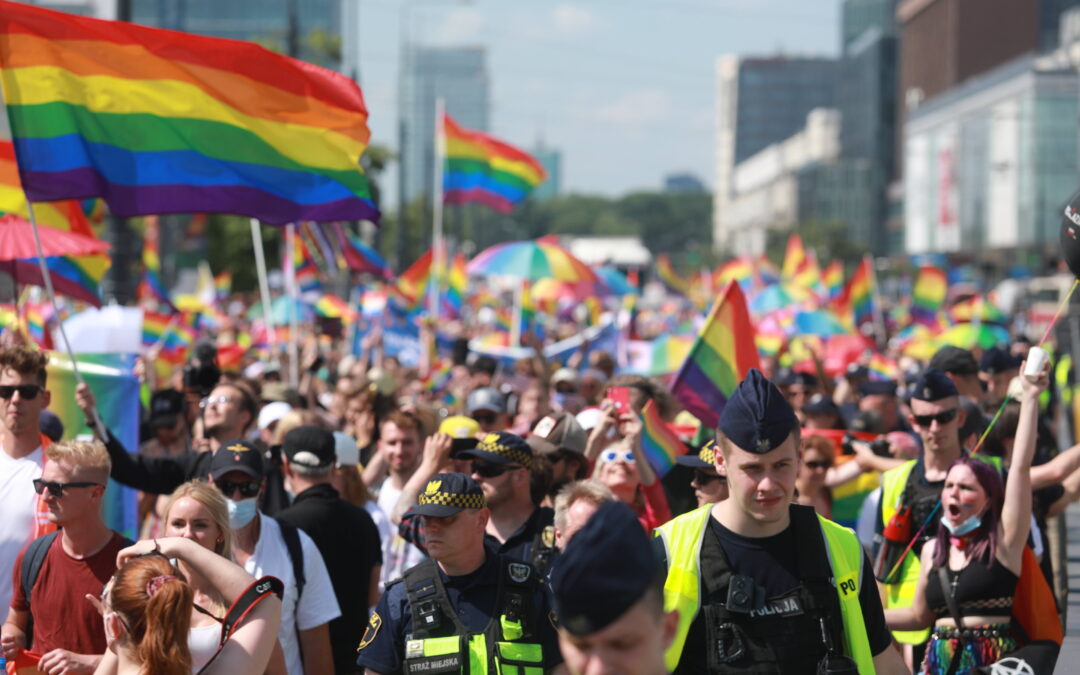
[
  {"x": 203, "y": 644},
  {"x": 18, "y": 502},
  {"x": 398, "y": 554},
  {"x": 317, "y": 606}
]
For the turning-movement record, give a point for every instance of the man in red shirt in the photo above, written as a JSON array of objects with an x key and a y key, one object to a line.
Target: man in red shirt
[{"x": 66, "y": 628}]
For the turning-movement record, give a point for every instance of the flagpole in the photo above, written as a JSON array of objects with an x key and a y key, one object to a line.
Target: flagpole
[
  {"x": 437, "y": 249},
  {"x": 879, "y": 317},
  {"x": 294, "y": 297},
  {"x": 99, "y": 424},
  {"x": 264, "y": 285},
  {"x": 519, "y": 310}
]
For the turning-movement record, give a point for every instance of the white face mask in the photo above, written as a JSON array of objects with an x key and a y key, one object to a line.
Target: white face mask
[{"x": 242, "y": 512}]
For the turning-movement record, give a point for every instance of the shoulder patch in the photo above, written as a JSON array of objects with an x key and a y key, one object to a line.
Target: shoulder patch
[{"x": 373, "y": 626}]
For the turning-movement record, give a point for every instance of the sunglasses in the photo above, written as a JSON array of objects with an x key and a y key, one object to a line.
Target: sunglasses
[
  {"x": 57, "y": 489},
  {"x": 219, "y": 400},
  {"x": 817, "y": 464},
  {"x": 484, "y": 418},
  {"x": 491, "y": 470},
  {"x": 942, "y": 418},
  {"x": 613, "y": 455},
  {"x": 247, "y": 488},
  {"x": 704, "y": 477},
  {"x": 27, "y": 392}
]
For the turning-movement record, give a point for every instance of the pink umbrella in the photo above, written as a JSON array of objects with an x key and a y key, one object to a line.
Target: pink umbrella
[{"x": 17, "y": 241}]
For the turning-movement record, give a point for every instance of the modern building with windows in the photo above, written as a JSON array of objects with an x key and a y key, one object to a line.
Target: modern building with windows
[
  {"x": 760, "y": 102},
  {"x": 989, "y": 164},
  {"x": 551, "y": 160}
]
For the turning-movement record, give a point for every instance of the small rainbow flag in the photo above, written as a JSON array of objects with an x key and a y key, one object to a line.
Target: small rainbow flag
[
  {"x": 480, "y": 168},
  {"x": 720, "y": 358},
  {"x": 457, "y": 280},
  {"x": 222, "y": 285},
  {"x": 767, "y": 272},
  {"x": 158, "y": 121},
  {"x": 151, "y": 287},
  {"x": 857, "y": 299},
  {"x": 800, "y": 266},
  {"x": 412, "y": 284},
  {"x": 833, "y": 278},
  {"x": 739, "y": 269},
  {"x": 305, "y": 269},
  {"x": 360, "y": 257},
  {"x": 669, "y": 276},
  {"x": 928, "y": 295},
  {"x": 331, "y": 306},
  {"x": 882, "y": 367},
  {"x": 659, "y": 442}
]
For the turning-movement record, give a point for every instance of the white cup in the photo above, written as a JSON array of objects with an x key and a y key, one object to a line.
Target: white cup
[{"x": 1036, "y": 361}]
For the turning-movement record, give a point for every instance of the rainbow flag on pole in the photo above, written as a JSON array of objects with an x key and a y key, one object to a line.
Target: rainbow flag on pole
[
  {"x": 157, "y": 121},
  {"x": 659, "y": 442},
  {"x": 721, "y": 356},
  {"x": 856, "y": 301},
  {"x": 151, "y": 286},
  {"x": 481, "y": 168}
]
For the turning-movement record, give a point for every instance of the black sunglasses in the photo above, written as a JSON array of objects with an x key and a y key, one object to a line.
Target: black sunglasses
[
  {"x": 27, "y": 392},
  {"x": 57, "y": 489},
  {"x": 484, "y": 418},
  {"x": 704, "y": 477},
  {"x": 943, "y": 417},
  {"x": 491, "y": 470},
  {"x": 247, "y": 488}
]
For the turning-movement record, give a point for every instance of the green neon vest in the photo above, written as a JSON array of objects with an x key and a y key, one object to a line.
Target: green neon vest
[{"x": 682, "y": 539}]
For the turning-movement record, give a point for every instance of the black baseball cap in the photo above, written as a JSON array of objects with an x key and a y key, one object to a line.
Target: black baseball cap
[
  {"x": 501, "y": 447},
  {"x": 238, "y": 455},
  {"x": 166, "y": 405},
  {"x": 309, "y": 446}
]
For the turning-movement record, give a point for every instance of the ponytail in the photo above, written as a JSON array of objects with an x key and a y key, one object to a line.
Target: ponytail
[{"x": 155, "y": 601}]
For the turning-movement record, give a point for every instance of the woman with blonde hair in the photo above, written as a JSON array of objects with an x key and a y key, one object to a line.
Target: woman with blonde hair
[{"x": 147, "y": 609}]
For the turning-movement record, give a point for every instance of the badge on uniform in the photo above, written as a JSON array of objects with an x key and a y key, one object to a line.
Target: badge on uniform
[
  {"x": 414, "y": 649},
  {"x": 547, "y": 535},
  {"x": 519, "y": 572},
  {"x": 374, "y": 624}
]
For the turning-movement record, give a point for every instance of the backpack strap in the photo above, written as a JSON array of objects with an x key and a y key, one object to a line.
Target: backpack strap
[
  {"x": 33, "y": 559},
  {"x": 291, "y": 536}
]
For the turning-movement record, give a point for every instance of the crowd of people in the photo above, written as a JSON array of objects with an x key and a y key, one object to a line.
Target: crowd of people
[{"x": 359, "y": 523}]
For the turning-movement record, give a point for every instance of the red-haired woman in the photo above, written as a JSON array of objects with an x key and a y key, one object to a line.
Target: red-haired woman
[{"x": 974, "y": 562}]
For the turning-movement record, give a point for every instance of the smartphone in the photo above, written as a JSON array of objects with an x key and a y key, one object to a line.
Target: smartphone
[{"x": 620, "y": 396}]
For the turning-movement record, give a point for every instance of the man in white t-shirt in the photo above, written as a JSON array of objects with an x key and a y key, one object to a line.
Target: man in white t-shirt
[
  {"x": 22, "y": 398},
  {"x": 238, "y": 470},
  {"x": 400, "y": 439}
]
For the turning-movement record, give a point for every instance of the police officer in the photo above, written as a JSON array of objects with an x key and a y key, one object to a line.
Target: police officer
[
  {"x": 608, "y": 592},
  {"x": 763, "y": 585},
  {"x": 709, "y": 486},
  {"x": 467, "y": 609}
]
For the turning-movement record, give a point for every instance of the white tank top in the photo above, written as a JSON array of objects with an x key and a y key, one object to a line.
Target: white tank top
[{"x": 203, "y": 644}]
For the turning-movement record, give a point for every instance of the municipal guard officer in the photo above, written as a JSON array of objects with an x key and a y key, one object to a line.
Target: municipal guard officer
[
  {"x": 761, "y": 584},
  {"x": 709, "y": 486},
  {"x": 467, "y": 609},
  {"x": 608, "y": 592}
]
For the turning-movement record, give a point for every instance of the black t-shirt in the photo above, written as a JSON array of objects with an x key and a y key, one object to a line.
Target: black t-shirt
[{"x": 349, "y": 542}]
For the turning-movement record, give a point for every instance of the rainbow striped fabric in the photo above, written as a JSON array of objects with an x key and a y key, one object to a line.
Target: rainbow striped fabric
[
  {"x": 667, "y": 274},
  {"x": 483, "y": 169},
  {"x": 739, "y": 269},
  {"x": 151, "y": 287},
  {"x": 928, "y": 295},
  {"x": 856, "y": 302},
  {"x": 457, "y": 281},
  {"x": 305, "y": 269},
  {"x": 833, "y": 278},
  {"x": 721, "y": 356},
  {"x": 411, "y": 285},
  {"x": 222, "y": 285},
  {"x": 658, "y": 441},
  {"x": 360, "y": 257},
  {"x": 800, "y": 268},
  {"x": 157, "y": 121}
]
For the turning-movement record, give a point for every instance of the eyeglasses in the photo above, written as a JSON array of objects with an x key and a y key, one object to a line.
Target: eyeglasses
[
  {"x": 492, "y": 470},
  {"x": 247, "y": 488},
  {"x": 614, "y": 455},
  {"x": 27, "y": 392},
  {"x": 219, "y": 400},
  {"x": 941, "y": 418},
  {"x": 57, "y": 489},
  {"x": 818, "y": 464},
  {"x": 704, "y": 477}
]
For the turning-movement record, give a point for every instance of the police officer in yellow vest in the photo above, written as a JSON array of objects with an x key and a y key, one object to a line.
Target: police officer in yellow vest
[
  {"x": 911, "y": 492},
  {"x": 763, "y": 585},
  {"x": 467, "y": 609}
]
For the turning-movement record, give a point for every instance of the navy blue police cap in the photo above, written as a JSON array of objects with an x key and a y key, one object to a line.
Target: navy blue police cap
[
  {"x": 604, "y": 570},
  {"x": 877, "y": 388},
  {"x": 447, "y": 494},
  {"x": 997, "y": 360},
  {"x": 757, "y": 417},
  {"x": 934, "y": 385}
]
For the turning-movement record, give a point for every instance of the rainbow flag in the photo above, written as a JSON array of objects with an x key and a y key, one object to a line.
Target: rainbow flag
[
  {"x": 222, "y": 285},
  {"x": 659, "y": 442},
  {"x": 457, "y": 280},
  {"x": 882, "y": 367},
  {"x": 976, "y": 308},
  {"x": 928, "y": 295},
  {"x": 856, "y": 301},
  {"x": 157, "y": 121},
  {"x": 833, "y": 278},
  {"x": 411, "y": 285},
  {"x": 800, "y": 268},
  {"x": 483, "y": 169},
  {"x": 739, "y": 269},
  {"x": 35, "y": 318},
  {"x": 721, "y": 356},
  {"x": 305, "y": 269},
  {"x": 360, "y": 257},
  {"x": 767, "y": 272},
  {"x": 331, "y": 306},
  {"x": 667, "y": 274},
  {"x": 151, "y": 287}
]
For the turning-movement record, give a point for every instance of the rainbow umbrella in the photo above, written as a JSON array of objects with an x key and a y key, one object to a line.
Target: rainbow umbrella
[
  {"x": 615, "y": 281},
  {"x": 970, "y": 335},
  {"x": 531, "y": 261},
  {"x": 819, "y": 322}
]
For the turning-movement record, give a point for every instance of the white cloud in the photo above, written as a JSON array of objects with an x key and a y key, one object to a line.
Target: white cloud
[
  {"x": 460, "y": 25},
  {"x": 572, "y": 19}
]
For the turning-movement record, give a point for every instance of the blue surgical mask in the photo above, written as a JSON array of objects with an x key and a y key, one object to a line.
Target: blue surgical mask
[
  {"x": 242, "y": 512},
  {"x": 968, "y": 526}
]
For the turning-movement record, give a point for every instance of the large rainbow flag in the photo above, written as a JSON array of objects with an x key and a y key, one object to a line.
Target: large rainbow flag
[
  {"x": 481, "y": 168},
  {"x": 722, "y": 354},
  {"x": 158, "y": 121}
]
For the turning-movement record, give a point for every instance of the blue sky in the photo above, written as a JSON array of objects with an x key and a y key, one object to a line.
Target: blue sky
[{"x": 625, "y": 88}]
